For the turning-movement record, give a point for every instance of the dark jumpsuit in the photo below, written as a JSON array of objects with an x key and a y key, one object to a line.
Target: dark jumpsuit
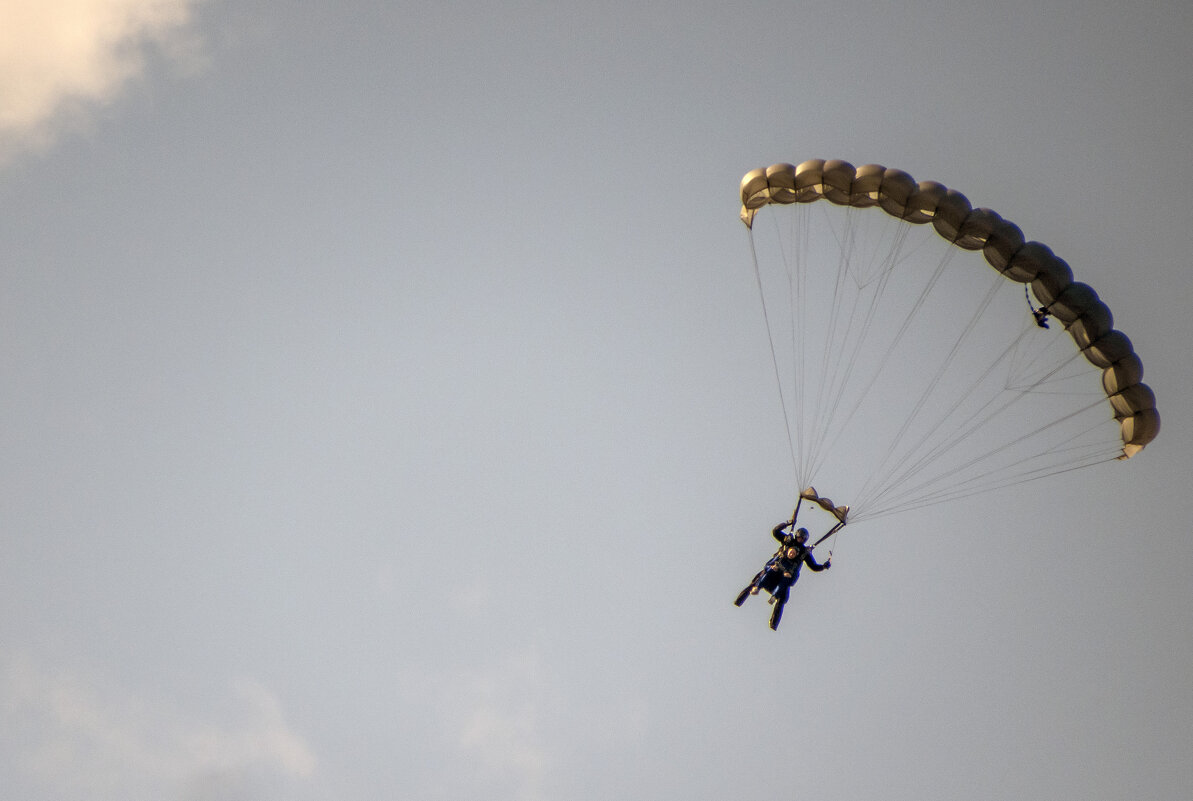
[{"x": 781, "y": 572}]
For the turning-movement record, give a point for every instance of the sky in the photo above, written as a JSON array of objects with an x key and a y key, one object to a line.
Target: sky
[{"x": 388, "y": 411}]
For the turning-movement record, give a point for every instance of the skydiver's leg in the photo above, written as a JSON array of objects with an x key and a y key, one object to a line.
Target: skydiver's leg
[
  {"x": 776, "y": 615},
  {"x": 780, "y": 599},
  {"x": 751, "y": 589},
  {"x": 743, "y": 595}
]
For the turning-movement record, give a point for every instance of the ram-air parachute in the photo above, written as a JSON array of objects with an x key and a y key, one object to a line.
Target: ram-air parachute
[{"x": 910, "y": 372}]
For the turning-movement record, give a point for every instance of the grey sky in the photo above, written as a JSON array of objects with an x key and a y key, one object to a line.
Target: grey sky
[{"x": 388, "y": 414}]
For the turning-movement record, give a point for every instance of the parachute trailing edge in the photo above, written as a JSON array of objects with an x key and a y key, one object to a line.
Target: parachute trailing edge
[{"x": 1086, "y": 318}]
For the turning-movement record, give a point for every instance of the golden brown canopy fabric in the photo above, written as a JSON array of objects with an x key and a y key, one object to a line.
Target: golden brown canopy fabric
[{"x": 1076, "y": 305}]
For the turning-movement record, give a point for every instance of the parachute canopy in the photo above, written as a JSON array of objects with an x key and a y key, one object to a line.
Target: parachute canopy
[{"x": 843, "y": 332}]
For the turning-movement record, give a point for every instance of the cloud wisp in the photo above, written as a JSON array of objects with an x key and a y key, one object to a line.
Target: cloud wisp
[
  {"x": 66, "y": 735},
  {"x": 515, "y": 726},
  {"x": 59, "y": 59}
]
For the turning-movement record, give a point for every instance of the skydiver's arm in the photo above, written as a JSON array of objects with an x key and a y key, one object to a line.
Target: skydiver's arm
[
  {"x": 777, "y": 531},
  {"x": 815, "y": 566}
]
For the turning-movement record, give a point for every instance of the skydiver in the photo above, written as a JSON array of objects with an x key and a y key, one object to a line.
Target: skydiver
[
  {"x": 783, "y": 565},
  {"x": 782, "y": 570}
]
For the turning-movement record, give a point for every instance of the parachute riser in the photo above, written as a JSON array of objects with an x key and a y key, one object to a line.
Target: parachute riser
[{"x": 830, "y": 533}]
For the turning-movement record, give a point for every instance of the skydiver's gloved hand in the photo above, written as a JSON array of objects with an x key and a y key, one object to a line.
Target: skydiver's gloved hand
[{"x": 828, "y": 562}]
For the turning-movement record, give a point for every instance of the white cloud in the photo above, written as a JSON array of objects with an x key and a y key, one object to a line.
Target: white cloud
[
  {"x": 68, "y": 736},
  {"x": 517, "y": 727},
  {"x": 496, "y": 721},
  {"x": 58, "y": 57},
  {"x": 265, "y": 738}
]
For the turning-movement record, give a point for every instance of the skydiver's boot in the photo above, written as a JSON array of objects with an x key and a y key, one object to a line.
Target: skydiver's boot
[
  {"x": 776, "y": 616},
  {"x": 743, "y": 595}
]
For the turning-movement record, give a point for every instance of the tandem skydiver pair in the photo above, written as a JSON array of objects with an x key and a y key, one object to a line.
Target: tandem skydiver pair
[{"x": 782, "y": 570}]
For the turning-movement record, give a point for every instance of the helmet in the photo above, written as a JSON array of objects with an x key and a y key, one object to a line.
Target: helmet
[{"x": 801, "y": 534}]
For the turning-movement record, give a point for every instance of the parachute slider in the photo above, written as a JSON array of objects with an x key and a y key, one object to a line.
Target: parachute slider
[{"x": 839, "y": 512}]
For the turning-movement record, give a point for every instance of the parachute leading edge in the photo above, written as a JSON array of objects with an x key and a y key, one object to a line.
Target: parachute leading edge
[{"x": 1076, "y": 305}]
